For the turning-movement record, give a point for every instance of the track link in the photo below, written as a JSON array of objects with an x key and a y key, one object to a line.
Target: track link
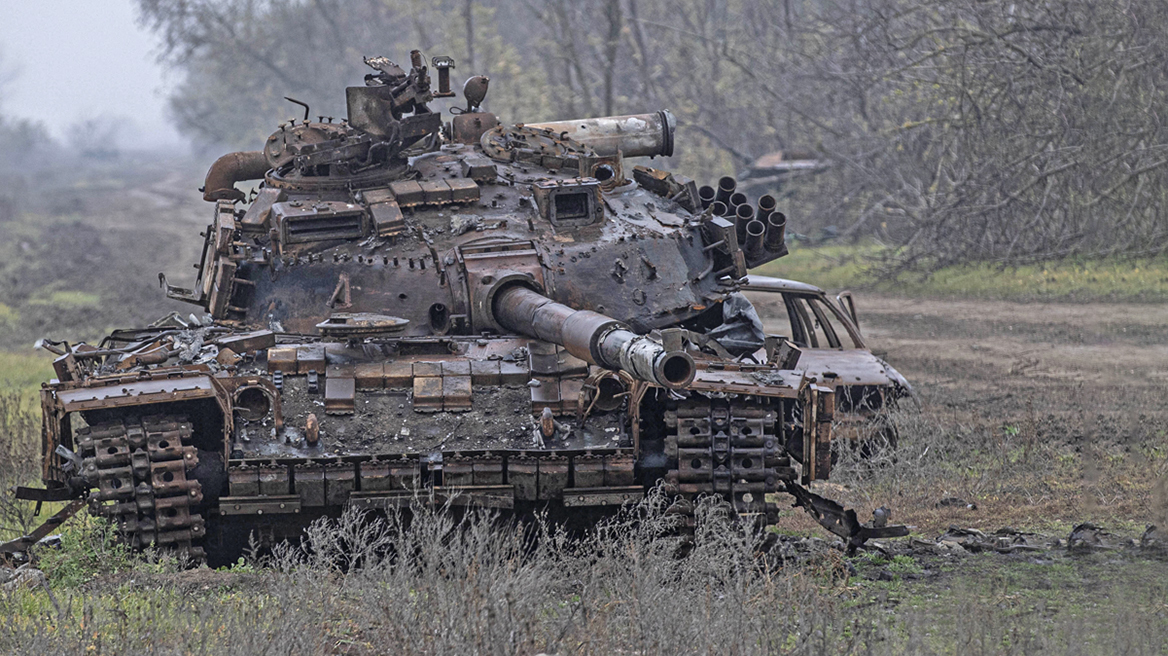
[
  {"x": 139, "y": 468},
  {"x": 728, "y": 448}
]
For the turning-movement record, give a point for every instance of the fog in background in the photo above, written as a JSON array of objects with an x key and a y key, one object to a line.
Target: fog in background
[{"x": 68, "y": 61}]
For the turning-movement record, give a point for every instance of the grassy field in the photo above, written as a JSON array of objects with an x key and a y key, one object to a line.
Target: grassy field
[
  {"x": 25, "y": 370},
  {"x": 442, "y": 585},
  {"x": 859, "y": 268},
  {"x": 474, "y": 586}
]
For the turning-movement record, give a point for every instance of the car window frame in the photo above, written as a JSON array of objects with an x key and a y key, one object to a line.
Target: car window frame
[
  {"x": 828, "y": 329},
  {"x": 807, "y": 329},
  {"x": 844, "y": 320},
  {"x": 798, "y": 330},
  {"x": 802, "y": 333}
]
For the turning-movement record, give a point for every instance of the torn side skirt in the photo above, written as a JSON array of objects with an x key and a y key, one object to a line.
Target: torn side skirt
[{"x": 839, "y": 520}]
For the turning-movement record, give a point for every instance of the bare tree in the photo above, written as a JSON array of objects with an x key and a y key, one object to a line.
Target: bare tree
[
  {"x": 21, "y": 140},
  {"x": 955, "y": 130}
]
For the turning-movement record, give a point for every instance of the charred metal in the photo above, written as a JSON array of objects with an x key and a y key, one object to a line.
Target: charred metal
[{"x": 499, "y": 315}]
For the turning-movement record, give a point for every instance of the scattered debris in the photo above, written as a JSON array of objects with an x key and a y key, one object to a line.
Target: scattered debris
[
  {"x": 463, "y": 223},
  {"x": 957, "y": 540},
  {"x": 952, "y": 502},
  {"x": 25, "y": 576},
  {"x": 938, "y": 547},
  {"x": 1090, "y": 537},
  {"x": 1154, "y": 540}
]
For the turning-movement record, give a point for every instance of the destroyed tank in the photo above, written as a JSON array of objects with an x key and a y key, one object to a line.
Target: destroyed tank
[{"x": 474, "y": 313}]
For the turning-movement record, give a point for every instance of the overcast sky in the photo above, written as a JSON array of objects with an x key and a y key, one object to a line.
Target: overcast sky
[{"x": 80, "y": 58}]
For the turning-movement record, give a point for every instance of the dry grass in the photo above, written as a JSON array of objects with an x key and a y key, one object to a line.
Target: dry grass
[
  {"x": 1025, "y": 470},
  {"x": 19, "y": 459},
  {"x": 439, "y": 584},
  {"x": 858, "y": 267}
]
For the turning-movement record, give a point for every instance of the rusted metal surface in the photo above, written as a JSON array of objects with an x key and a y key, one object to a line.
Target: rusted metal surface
[
  {"x": 474, "y": 314},
  {"x": 22, "y": 544},
  {"x": 592, "y": 337},
  {"x": 230, "y": 169},
  {"x": 840, "y": 521},
  {"x": 839, "y": 356},
  {"x": 346, "y": 324},
  {"x": 140, "y": 471}
]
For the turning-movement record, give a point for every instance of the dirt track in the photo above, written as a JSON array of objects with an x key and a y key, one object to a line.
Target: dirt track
[
  {"x": 997, "y": 356},
  {"x": 1036, "y": 343},
  {"x": 1061, "y": 357},
  {"x": 1088, "y": 380}
]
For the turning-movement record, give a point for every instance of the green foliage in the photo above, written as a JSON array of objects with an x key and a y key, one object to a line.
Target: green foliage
[
  {"x": 241, "y": 566},
  {"x": 871, "y": 563},
  {"x": 19, "y": 458},
  {"x": 24, "y": 371},
  {"x": 90, "y": 548},
  {"x": 8, "y": 316},
  {"x": 904, "y": 565},
  {"x": 68, "y": 299},
  {"x": 832, "y": 267}
]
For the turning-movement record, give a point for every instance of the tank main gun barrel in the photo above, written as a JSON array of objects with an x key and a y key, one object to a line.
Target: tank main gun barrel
[
  {"x": 636, "y": 135},
  {"x": 592, "y": 337}
]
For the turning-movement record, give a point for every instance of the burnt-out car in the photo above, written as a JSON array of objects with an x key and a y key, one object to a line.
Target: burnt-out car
[{"x": 833, "y": 349}]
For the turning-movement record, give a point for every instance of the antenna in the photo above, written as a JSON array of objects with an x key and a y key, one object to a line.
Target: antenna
[{"x": 302, "y": 104}]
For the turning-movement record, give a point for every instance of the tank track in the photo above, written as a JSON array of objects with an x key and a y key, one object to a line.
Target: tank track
[
  {"x": 727, "y": 448},
  {"x": 139, "y": 470}
]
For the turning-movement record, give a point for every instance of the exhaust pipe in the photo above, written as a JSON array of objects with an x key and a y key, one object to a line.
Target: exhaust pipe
[
  {"x": 706, "y": 195},
  {"x": 742, "y": 216},
  {"x": 232, "y": 168},
  {"x": 766, "y": 205}
]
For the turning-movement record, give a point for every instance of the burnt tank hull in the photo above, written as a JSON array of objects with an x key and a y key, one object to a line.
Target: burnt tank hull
[
  {"x": 300, "y": 429},
  {"x": 472, "y": 314}
]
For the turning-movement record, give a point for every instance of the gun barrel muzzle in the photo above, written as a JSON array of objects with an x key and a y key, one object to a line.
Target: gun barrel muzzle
[{"x": 592, "y": 337}]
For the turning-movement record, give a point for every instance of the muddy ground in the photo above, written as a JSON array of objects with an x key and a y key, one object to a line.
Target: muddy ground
[
  {"x": 1084, "y": 381},
  {"x": 997, "y": 357}
]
